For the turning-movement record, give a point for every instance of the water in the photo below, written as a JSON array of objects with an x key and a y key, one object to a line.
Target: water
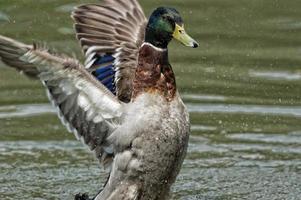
[{"x": 242, "y": 88}]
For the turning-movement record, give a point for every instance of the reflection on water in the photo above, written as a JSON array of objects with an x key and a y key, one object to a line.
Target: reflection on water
[{"x": 242, "y": 88}]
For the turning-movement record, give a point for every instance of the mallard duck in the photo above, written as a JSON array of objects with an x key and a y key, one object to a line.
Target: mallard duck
[{"x": 123, "y": 102}]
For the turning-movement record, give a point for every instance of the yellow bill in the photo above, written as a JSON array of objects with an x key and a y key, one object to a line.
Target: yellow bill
[{"x": 181, "y": 35}]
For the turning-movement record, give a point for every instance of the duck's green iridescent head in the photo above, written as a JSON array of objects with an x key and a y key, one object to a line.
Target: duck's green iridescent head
[{"x": 164, "y": 25}]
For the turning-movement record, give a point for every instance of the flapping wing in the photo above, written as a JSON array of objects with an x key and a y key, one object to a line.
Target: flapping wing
[
  {"x": 84, "y": 105},
  {"x": 10, "y": 52},
  {"x": 111, "y": 34}
]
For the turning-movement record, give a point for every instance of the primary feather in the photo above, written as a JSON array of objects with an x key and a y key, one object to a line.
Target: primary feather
[{"x": 11, "y": 51}]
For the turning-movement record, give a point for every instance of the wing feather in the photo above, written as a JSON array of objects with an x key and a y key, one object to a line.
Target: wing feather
[
  {"x": 9, "y": 51},
  {"x": 84, "y": 105},
  {"x": 112, "y": 28}
]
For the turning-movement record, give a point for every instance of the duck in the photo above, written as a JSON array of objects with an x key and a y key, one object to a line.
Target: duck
[{"x": 123, "y": 102}]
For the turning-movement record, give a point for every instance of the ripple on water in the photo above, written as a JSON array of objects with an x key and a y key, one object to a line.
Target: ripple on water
[
  {"x": 290, "y": 25},
  {"x": 200, "y": 97},
  {"x": 247, "y": 109},
  {"x": 276, "y": 75},
  {"x": 25, "y": 110},
  {"x": 202, "y": 128},
  {"x": 266, "y": 138},
  {"x": 9, "y": 146},
  {"x": 284, "y": 23},
  {"x": 37, "y": 109}
]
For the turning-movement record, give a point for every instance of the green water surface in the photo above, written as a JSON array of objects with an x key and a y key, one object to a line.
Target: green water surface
[{"x": 242, "y": 88}]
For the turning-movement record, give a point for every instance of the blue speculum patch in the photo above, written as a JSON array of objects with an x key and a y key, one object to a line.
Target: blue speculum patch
[{"x": 106, "y": 72}]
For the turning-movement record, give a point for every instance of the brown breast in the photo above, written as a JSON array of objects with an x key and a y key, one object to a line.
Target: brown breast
[{"x": 154, "y": 73}]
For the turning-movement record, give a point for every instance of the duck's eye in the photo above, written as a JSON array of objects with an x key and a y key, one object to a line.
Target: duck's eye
[
  {"x": 181, "y": 31},
  {"x": 168, "y": 19}
]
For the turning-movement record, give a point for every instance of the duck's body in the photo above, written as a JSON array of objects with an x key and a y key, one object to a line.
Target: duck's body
[
  {"x": 123, "y": 103},
  {"x": 156, "y": 131}
]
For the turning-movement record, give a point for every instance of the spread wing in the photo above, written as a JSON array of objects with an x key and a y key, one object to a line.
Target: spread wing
[
  {"x": 84, "y": 105},
  {"x": 111, "y": 34}
]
